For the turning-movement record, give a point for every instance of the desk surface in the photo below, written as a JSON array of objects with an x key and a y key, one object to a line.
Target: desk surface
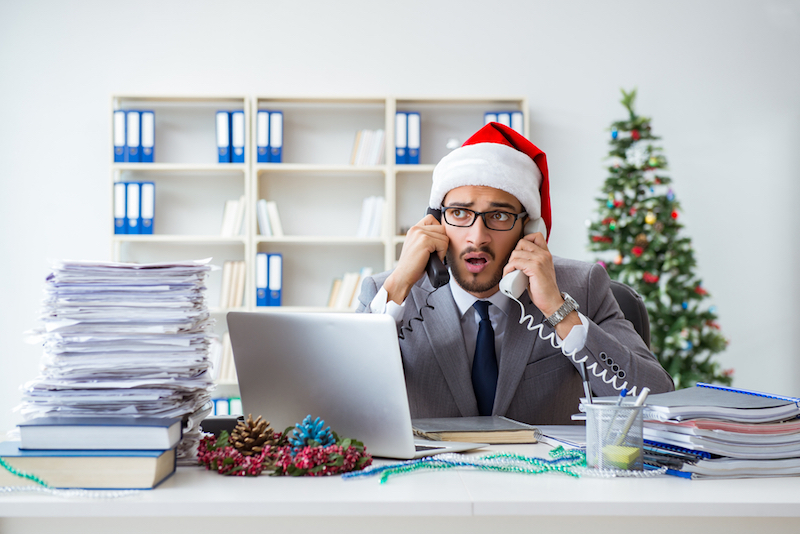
[{"x": 432, "y": 496}]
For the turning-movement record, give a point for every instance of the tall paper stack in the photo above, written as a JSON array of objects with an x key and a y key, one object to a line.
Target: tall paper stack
[{"x": 125, "y": 339}]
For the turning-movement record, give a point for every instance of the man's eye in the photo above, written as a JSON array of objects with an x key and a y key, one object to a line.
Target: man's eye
[
  {"x": 499, "y": 216},
  {"x": 459, "y": 214}
]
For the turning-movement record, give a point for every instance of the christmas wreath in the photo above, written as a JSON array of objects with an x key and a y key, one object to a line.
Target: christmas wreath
[{"x": 309, "y": 448}]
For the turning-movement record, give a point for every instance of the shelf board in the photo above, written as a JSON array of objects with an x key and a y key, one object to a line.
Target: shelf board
[
  {"x": 299, "y": 309},
  {"x": 180, "y": 167},
  {"x": 427, "y": 168},
  {"x": 310, "y": 167},
  {"x": 187, "y": 239},
  {"x": 321, "y": 240}
]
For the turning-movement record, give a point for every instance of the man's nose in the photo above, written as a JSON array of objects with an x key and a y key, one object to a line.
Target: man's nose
[{"x": 478, "y": 233}]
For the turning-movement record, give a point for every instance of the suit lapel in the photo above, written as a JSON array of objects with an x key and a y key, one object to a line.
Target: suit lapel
[
  {"x": 518, "y": 345},
  {"x": 442, "y": 326}
]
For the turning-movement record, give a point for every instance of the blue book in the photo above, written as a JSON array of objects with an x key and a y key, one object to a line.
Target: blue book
[
  {"x": 275, "y": 279},
  {"x": 133, "y": 136},
  {"x": 262, "y": 136},
  {"x": 119, "y": 136},
  {"x": 275, "y": 136},
  {"x": 413, "y": 138},
  {"x": 120, "y": 196},
  {"x": 97, "y": 469},
  {"x": 262, "y": 277},
  {"x": 100, "y": 433},
  {"x": 132, "y": 211},
  {"x": 400, "y": 138},
  {"x": 224, "y": 136},
  {"x": 148, "y": 136},
  {"x": 237, "y": 136},
  {"x": 147, "y": 206}
]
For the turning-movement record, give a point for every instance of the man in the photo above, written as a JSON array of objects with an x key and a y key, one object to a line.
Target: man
[{"x": 464, "y": 357}]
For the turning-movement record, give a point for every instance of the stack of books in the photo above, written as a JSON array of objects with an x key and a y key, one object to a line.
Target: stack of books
[
  {"x": 269, "y": 221},
  {"x": 344, "y": 291},
  {"x": 125, "y": 339},
  {"x": 233, "y": 218},
  {"x": 370, "y": 224},
  {"x": 719, "y": 432},
  {"x": 368, "y": 148},
  {"x": 233, "y": 281},
  {"x": 93, "y": 452}
]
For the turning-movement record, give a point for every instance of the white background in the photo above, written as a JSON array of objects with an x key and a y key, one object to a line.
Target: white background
[{"x": 721, "y": 80}]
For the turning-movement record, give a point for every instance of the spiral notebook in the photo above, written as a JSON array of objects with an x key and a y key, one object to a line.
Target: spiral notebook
[{"x": 719, "y": 402}]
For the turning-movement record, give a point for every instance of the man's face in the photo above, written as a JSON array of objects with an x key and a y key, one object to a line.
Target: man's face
[{"x": 477, "y": 255}]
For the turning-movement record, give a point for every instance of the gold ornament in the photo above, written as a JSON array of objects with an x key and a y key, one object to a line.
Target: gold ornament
[
  {"x": 641, "y": 241},
  {"x": 251, "y": 437},
  {"x": 650, "y": 218},
  {"x": 618, "y": 259}
]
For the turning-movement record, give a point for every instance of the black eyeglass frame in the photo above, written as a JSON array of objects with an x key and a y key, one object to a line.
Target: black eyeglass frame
[{"x": 475, "y": 214}]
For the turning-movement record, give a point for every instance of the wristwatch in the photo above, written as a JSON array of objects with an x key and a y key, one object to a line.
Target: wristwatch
[{"x": 568, "y": 307}]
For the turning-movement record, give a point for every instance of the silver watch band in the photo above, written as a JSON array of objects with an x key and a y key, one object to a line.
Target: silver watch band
[{"x": 568, "y": 307}]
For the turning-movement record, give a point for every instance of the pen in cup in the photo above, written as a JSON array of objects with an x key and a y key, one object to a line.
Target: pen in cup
[
  {"x": 587, "y": 389},
  {"x": 632, "y": 417}
]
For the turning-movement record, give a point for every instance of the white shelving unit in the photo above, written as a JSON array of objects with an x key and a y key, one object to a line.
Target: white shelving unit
[{"x": 318, "y": 193}]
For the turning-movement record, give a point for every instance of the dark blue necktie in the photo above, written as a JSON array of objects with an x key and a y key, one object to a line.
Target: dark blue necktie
[{"x": 484, "y": 364}]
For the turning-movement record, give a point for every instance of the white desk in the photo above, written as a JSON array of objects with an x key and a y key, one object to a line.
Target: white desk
[{"x": 440, "y": 501}]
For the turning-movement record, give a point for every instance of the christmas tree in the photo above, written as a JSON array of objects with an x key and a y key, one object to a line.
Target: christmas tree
[{"x": 637, "y": 227}]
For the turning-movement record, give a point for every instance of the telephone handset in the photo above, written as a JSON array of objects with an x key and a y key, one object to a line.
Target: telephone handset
[
  {"x": 437, "y": 272},
  {"x": 514, "y": 283}
]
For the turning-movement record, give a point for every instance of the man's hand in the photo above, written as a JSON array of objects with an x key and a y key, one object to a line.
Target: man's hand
[
  {"x": 532, "y": 257},
  {"x": 424, "y": 238}
]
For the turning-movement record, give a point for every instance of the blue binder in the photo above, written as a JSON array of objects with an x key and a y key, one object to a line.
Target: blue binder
[
  {"x": 400, "y": 138},
  {"x": 148, "y": 136},
  {"x": 119, "y": 136},
  {"x": 262, "y": 136},
  {"x": 413, "y": 138},
  {"x": 275, "y": 136},
  {"x": 275, "y": 279},
  {"x": 133, "y": 137},
  {"x": 132, "y": 213},
  {"x": 120, "y": 193},
  {"x": 147, "y": 206},
  {"x": 504, "y": 118},
  {"x": 488, "y": 117},
  {"x": 237, "y": 136},
  {"x": 224, "y": 136},
  {"x": 262, "y": 271}
]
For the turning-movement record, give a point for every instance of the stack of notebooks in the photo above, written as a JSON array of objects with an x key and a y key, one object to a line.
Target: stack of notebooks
[
  {"x": 123, "y": 339},
  {"x": 717, "y": 432},
  {"x": 344, "y": 291},
  {"x": 93, "y": 452}
]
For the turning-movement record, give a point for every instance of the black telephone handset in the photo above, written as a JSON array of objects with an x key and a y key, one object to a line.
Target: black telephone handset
[{"x": 437, "y": 272}]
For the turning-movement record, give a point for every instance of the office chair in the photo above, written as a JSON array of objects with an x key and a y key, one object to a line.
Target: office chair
[{"x": 633, "y": 308}]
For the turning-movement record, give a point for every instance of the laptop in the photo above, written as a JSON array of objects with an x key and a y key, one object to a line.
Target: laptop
[{"x": 342, "y": 367}]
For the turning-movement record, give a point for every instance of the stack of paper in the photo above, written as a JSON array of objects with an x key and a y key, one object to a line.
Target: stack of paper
[
  {"x": 125, "y": 339},
  {"x": 713, "y": 431}
]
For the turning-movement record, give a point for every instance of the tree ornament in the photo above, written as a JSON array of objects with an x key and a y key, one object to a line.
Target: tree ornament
[
  {"x": 650, "y": 218},
  {"x": 674, "y": 214},
  {"x": 652, "y": 161},
  {"x": 636, "y": 155},
  {"x": 618, "y": 259},
  {"x": 641, "y": 241},
  {"x": 635, "y": 135},
  {"x": 252, "y": 437},
  {"x": 650, "y": 278},
  {"x": 700, "y": 291},
  {"x": 670, "y": 195},
  {"x": 614, "y": 133},
  {"x": 637, "y": 251},
  {"x": 659, "y": 226}
]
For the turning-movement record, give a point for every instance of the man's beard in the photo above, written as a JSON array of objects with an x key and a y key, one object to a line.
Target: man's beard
[{"x": 468, "y": 281}]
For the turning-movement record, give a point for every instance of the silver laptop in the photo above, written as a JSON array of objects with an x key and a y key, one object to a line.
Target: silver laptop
[{"x": 342, "y": 367}]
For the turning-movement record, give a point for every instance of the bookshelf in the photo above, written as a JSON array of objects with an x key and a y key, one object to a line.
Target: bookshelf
[{"x": 318, "y": 192}]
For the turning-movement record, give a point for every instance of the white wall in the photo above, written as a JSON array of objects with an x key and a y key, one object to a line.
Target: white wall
[{"x": 720, "y": 79}]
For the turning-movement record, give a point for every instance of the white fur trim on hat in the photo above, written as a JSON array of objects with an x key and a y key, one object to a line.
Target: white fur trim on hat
[{"x": 493, "y": 165}]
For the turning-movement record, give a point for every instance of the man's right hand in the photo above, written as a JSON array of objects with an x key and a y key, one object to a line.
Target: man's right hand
[{"x": 424, "y": 238}]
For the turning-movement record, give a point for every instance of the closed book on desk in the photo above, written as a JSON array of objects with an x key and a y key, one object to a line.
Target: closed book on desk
[
  {"x": 704, "y": 401},
  {"x": 490, "y": 429},
  {"x": 87, "y": 469},
  {"x": 93, "y": 433}
]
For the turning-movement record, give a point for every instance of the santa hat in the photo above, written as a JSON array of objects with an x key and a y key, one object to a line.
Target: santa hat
[{"x": 499, "y": 157}]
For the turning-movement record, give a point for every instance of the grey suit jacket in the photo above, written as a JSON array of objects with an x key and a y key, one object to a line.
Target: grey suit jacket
[{"x": 537, "y": 384}]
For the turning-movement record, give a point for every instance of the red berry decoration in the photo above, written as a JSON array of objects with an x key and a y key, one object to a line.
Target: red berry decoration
[
  {"x": 637, "y": 251},
  {"x": 635, "y": 135}
]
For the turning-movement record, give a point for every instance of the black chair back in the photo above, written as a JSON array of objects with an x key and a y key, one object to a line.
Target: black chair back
[{"x": 633, "y": 308}]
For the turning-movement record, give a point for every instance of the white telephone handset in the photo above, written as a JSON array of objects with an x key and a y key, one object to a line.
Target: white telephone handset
[{"x": 514, "y": 283}]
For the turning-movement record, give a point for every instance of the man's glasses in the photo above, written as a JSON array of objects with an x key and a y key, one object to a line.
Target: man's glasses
[{"x": 493, "y": 220}]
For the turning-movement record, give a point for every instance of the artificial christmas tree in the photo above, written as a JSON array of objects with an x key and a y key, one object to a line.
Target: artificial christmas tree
[{"x": 637, "y": 226}]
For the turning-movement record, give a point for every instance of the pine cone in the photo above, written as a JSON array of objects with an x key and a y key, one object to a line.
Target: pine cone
[
  {"x": 251, "y": 437},
  {"x": 641, "y": 241}
]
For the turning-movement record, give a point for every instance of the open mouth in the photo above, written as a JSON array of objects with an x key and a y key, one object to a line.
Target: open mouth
[{"x": 476, "y": 262}]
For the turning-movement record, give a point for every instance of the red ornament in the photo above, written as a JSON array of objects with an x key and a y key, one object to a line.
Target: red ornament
[
  {"x": 650, "y": 278},
  {"x": 601, "y": 239},
  {"x": 632, "y": 211},
  {"x": 675, "y": 214},
  {"x": 637, "y": 251},
  {"x": 700, "y": 291},
  {"x": 657, "y": 180},
  {"x": 635, "y": 135},
  {"x": 618, "y": 203},
  {"x": 608, "y": 220}
]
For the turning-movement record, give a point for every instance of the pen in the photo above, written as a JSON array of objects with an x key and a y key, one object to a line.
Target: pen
[
  {"x": 586, "y": 387},
  {"x": 632, "y": 417},
  {"x": 622, "y": 394}
]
